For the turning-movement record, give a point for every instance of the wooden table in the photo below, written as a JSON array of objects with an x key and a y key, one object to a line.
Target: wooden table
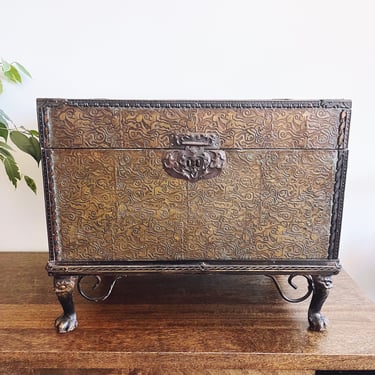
[{"x": 193, "y": 324}]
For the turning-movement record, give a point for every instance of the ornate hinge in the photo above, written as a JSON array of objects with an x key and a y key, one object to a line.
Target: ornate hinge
[{"x": 198, "y": 157}]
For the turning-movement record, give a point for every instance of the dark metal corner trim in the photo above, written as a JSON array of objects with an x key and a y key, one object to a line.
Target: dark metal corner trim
[{"x": 338, "y": 204}]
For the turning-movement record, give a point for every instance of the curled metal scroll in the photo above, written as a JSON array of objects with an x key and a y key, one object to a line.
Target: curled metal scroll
[
  {"x": 97, "y": 283},
  {"x": 310, "y": 287}
]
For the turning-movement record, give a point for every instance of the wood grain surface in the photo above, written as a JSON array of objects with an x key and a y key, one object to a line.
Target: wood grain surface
[{"x": 186, "y": 324}]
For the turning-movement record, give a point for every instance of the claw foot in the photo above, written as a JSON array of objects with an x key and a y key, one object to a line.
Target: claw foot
[
  {"x": 66, "y": 323},
  {"x": 318, "y": 322},
  {"x": 64, "y": 286},
  {"x": 321, "y": 287}
]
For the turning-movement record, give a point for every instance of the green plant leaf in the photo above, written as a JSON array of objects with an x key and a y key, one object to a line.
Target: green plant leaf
[
  {"x": 26, "y": 140},
  {"x": 12, "y": 170},
  {"x": 30, "y": 145},
  {"x": 20, "y": 140},
  {"x": 34, "y": 133},
  {"x": 4, "y": 131},
  {"x": 5, "y": 66},
  {"x": 4, "y": 118},
  {"x": 13, "y": 75},
  {"x": 5, "y": 146},
  {"x": 37, "y": 153},
  {"x": 30, "y": 183},
  {"x": 4, "y": 154},
  {"x": 22, "y": 69}
]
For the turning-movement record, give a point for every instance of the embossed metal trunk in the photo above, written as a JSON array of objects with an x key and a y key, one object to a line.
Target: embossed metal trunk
[{"x": 194, "y": 186}]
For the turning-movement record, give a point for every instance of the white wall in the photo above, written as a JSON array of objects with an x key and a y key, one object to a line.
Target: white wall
[{"x": 196, "y": 49}]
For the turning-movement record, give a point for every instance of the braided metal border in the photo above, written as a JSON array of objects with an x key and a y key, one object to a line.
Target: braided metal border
[
  {"x": 200, "y": 267},
  {"x": 278, "y": 103}
]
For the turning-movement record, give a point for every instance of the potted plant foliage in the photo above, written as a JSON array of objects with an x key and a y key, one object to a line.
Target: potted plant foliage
[{"x": 11, "y": 135}]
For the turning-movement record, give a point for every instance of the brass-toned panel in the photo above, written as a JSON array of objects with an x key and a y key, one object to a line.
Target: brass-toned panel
[
  {"x": 296, "y": 200},
  {"x": 264, "y": 205},
  {"x": 271, "y": 127},
  {"x": 236, "y": 127},
  {"x": 117, "y": 205},
  {"x": 117, "y": 127},
  {"x": 221, "y": 209},
  {"x": 122, "y": 205},
  {"x": 153, "y": 127},
  {"x": 83, "y": 127},
  {"x": 151, "y": 208},
  {"x": 85, "y": 202}
]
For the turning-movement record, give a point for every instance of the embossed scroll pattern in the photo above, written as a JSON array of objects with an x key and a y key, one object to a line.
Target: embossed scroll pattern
[
  {"x": 279, "y": 209},
  {"x": 240, "y": 128},
  {"x": 121, "y": 205}
]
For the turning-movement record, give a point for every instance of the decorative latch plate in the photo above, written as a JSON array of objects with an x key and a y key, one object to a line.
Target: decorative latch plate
[{"x": 197, "y": 156}]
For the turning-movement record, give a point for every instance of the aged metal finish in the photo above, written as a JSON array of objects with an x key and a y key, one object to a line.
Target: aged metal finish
[
  {"x": 64, "y": 286},
  {"x": 197, "y": 161},
  {"x": 310, "y": 288},
  {"x": 255, "y": 267},
  {"x": 121, "y": 205},
  {"x": 97, "y": 283},
  {"x": 209, "y": 140},
  {"x": 195, "y": 186},
  {"x": 322, "y": 285}
]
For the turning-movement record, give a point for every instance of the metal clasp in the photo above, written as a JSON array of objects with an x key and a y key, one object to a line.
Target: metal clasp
[
  {"x": 207, "y": 140},
  {"x": 197, "y": 157}
]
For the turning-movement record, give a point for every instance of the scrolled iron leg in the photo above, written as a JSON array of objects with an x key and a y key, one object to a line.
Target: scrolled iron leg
[
  {"x": 64, "y": 286},
  {"x": 321, "y": 287}
]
